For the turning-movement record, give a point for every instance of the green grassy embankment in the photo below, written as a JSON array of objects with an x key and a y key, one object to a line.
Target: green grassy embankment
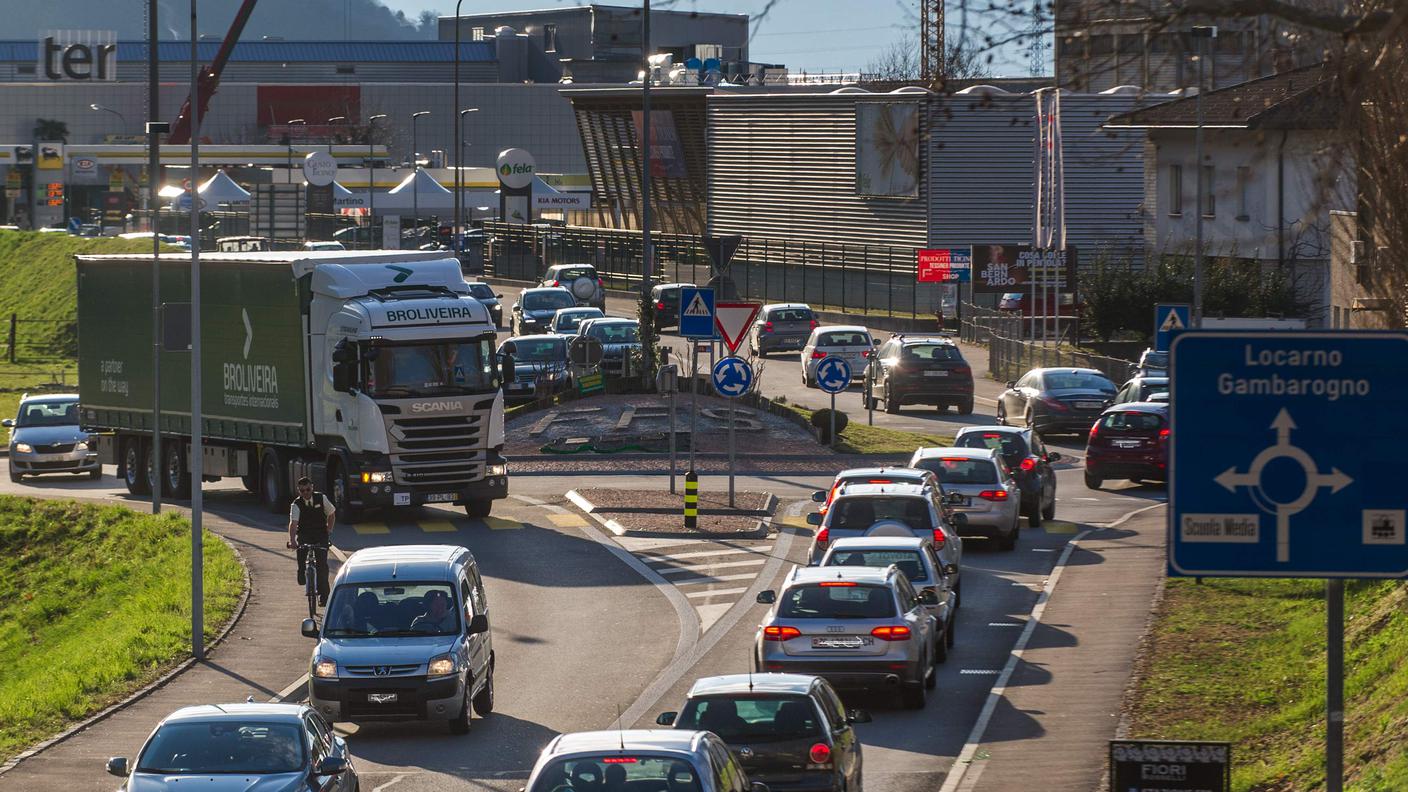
[
  {"x": 859, "y": 438},
  {"x": 1243, "y": 660},
  {"x": 40, "y": 289},
  {"x": 94, "y": 603}
]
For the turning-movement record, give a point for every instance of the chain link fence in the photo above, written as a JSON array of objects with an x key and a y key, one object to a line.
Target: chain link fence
[{"x": 1010, "y": 355}]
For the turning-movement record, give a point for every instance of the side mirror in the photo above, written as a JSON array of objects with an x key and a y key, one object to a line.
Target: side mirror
[
  {"x": 1054, "y": 456},
  {"x": 959, "y": 520},
  {"x": 344, "y": 352},
  {"x": 498, "y": 296},
  {"x": 343, "y": 377},
  {"x": 1011, "y": 384},
  {"x": 950, "y": 569},
  {"x": 875, "y": 342},
  {"x": 858, "y": 716},
  {"x": 814, "y": 518},
  {"x": 928, "y": 597},
  {"x": 767, "y": 597},
  {"x": 817, "y": 497},
  {"x": 506, "y": 368},
  {"x": 478, "y": 624},
  {"x": 117, "y": 766},
  {"x": 309, "y": 629},
  {"x": 330, "y": 765},
  {"x": 666, "y": 718},
  {"x": 8, "y": 422}
]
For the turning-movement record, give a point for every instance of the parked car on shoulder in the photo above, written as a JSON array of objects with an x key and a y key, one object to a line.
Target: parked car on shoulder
[
  {"x": 851, "y": 343},
  {"x": 1026, "y": 456},
  {"x": 914, "y": 369},
  {"x": 646, "y": 759},
  {"x": 1056, "y": 400},
  {"x": 1129, "y": 441},
  {"x": 666, "y": 300},
  {"x": 781, "y": 327},
  {"x": 979, "y": 487},
  {"x": 586, "y": 287},
  {"x": 789, "y": 731},
  {"x": 45, "y": 437}
]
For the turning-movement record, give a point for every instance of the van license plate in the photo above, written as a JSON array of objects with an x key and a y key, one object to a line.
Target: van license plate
[
  {"x": 440, "y": 497},
  {"x": 381, "y": 698},
  {"x": 401, "y": 499}
]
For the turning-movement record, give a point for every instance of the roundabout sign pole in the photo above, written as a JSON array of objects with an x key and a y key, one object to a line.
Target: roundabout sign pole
[{"x": 733, "y": 377}]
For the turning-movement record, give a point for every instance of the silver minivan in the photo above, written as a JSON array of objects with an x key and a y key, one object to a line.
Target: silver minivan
[{"x": 405, "y": 637}]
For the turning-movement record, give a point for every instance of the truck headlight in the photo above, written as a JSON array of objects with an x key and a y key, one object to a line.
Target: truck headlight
[
  {"x": 24, "y": 448},
  {"x": 325, "y": 669},
  {"x": 376, "y": 477},
  {"x": 443, "y": 665},
  {"x": 500, "y": 469}
]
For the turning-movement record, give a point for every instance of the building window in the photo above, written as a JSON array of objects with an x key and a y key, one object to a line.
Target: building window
[
  {"x": 346, "y": 69},
  {"x": 476, "y": 34},
  {"x": 1175, "y": 190},
  {"x": 1209, "y": 194},
  {"x": 550, "y": 38},
  {"x": 1244, "y": 188}
]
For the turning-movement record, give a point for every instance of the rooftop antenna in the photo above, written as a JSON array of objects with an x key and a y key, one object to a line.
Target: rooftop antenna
[
  {"x": 620, "y": 728},
  {"x": 750, "y": 671}
]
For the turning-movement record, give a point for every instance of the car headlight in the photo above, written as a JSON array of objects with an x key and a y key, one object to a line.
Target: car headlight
[
  {"x": 81, "y": 448},
  {"x": 443, "y": 665},
  {"x": 376, "y": 477},
  {"x": 24, "y": 448},
  {"x": 325, "y": 669},
  {"x": 500, "y": 469}
]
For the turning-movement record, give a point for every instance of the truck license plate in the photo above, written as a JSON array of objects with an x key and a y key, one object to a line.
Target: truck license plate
[
  {"x": 440, "y": 497},
  {"x": 401, "y": 499}
]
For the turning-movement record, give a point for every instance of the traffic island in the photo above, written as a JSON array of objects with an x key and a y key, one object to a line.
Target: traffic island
[{"x": 653, "y": 513}]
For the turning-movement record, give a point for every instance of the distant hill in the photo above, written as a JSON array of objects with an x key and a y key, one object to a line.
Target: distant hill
[{"x": 290, "y": 19}]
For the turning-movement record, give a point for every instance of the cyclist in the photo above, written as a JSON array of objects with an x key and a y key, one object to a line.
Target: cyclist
[{"x": 310, "y": 521}]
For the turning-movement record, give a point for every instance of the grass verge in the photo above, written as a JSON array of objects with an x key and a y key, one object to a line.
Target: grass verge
[
  {"x": 1243, "y": 660},
  {"x": 94, "y": 603},
  {"x": 859, "y": 438}
]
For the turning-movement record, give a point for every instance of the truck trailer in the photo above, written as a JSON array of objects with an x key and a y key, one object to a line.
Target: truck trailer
[{"x": 372, "y": 373}]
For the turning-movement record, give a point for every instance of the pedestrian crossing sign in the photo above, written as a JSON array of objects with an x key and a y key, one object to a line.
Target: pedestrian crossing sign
[{"x": 697, "y": 312}]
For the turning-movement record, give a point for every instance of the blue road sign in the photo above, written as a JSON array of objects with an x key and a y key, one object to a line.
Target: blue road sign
[
  {"x": 733, "y": 377},
  {"x": 833, "y": 374},
  {"x": 1284, "y": 458},
  {"x": 1169, "y": 320},
  {"x": 697, "y": 312}
]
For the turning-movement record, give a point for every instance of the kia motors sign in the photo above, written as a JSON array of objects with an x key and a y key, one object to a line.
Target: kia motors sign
[
  {"x": 81, "y": 55},
  {"x": 943, "y": 265},
  {"x": 515, "y": 168}
]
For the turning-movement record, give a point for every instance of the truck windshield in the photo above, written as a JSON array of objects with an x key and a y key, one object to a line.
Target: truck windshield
[{"x": 422, "y": 369}]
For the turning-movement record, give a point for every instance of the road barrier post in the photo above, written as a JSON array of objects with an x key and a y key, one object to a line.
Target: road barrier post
[{"x": 691, "y": 499}]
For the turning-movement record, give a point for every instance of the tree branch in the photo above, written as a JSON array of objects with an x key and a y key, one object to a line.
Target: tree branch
[{"x": 1344, "y": 24}]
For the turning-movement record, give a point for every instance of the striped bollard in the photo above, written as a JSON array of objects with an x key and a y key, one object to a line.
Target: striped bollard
[{"x": 691, "y": 499}]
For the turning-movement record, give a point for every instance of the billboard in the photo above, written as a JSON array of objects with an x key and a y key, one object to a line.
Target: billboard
[
  {"x": 887, "y": 149},
  {"x": 1006, "y": 268},
  {"x": 943, "y": 265},
  {"x": 666, "y": 151}
]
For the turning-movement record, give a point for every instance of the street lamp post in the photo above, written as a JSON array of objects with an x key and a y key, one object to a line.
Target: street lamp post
[
  {"x": 334, "y": 119},
  {"x": 459, "y": 121},
  {"x": 371, "y": 178},
  {"x": 415, "y": 177},
  {"x": 459, "y": 169},
  {"x": 291, "y": 122},
  {"x": 121, "y": 117},
  {"x": 1202, "y": 34},
  {"x": 647, "y": 254}
]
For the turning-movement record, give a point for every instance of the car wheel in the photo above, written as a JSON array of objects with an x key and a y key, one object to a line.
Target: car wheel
[
  {"x": 1001, "y": 414},
  {"x": 940, "y": 656},
  {"x": 892, "y": 403},
  {"x": 1093, "y": 482},
  {"x": 460, "y": 723},
  {"x": 96, "y": 473},
  {"x": 965, "y": 407},
  {"x": 484, "y": 699},
  {"x": 914, "y": 696},
  {"x": 1009, "y": 540},
  {"x": 1049, "y": 510},
  {"x": 15, "y": 477},
  {"x": 951, "y": 635},
  {"x": 478, "y": 508},
  {"x": 1034, "y": 514}
]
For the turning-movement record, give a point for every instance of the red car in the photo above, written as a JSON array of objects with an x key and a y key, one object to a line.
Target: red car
[{"x": 1129, "y": 441}]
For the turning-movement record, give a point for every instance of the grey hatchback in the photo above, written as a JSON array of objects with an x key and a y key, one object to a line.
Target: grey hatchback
[
  {"x": 45, "y": 438},
  {"x": 644, "y": 759}
]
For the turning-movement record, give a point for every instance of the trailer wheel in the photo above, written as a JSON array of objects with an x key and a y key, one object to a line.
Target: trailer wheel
[
  {"x": 134, "y": 453},
  {"x": 176, "y": 478},
  {"x": 274, "y": 482}
]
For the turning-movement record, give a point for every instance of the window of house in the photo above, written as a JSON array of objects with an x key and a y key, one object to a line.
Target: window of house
[
  {"x": 1209, "y": 194},
  {"x": 550, "y": 38},
  {"x": 1244, "y": 188},
  {"x": 1175, "y": 189},
  {"x": 1102, "y": 45}
]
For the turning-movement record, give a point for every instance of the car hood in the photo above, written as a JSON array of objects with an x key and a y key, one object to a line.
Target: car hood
[
  {"x": 49, "y": 435},
  {"x": 401, "y": 650},
  {"x": 233, "y": 782}
]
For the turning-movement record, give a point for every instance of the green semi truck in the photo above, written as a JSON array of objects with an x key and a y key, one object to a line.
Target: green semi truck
[{"x": 374, "y": 374}]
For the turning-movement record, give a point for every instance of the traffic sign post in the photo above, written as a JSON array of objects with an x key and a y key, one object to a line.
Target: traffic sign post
[
  {"x": 697, "y": 312},
  {"x": 733, "y": 320},
  {"x": 733, "y": 377},
  {"x": 833, "y": 375},
  {"x": 1266, "y": 479},
  {"x": 1169, "y": 320}
]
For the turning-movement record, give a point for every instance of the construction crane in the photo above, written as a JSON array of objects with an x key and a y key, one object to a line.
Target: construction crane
[
  {"x": 209, "y": 78},
  {"x": 932, "y": 69}
]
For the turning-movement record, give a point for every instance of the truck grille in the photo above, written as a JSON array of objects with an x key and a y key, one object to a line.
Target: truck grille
[
  {"x": 443, "y": 450},
  {"x": 435, "y": 434}
]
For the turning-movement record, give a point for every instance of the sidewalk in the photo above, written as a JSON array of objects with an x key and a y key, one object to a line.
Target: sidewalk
[
  {"x": 261, "y": 656},
  {"x": 1062, "y": 703}
]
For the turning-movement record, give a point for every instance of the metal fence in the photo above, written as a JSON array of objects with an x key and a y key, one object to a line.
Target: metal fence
[
  {"x": 1010, "y": 358},
  {"x": 870, "y": 279}
]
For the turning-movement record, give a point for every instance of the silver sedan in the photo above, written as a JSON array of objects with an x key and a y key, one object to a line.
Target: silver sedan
[{"x": 988, "y": 495}]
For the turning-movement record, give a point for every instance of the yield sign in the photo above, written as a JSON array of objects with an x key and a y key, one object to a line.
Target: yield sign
[{"x": 733, "y": 321}]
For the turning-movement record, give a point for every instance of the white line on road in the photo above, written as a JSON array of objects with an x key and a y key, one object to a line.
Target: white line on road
[
  {"x": 1004, "y": 624},
  {"x": 392, "y": 782},
  {"x": 993, "y": 671},
  {"x": 652, "y": 557},
  {"x": 1043, "y": 549},
  {"x": 716, "y": 592},
  {"x": 706, "y": 566},
  {"x": 712, "y": 578}
]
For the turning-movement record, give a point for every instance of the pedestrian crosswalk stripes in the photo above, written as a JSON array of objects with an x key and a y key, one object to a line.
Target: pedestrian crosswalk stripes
[
  {"x": 711, "y": 573},
  {"x": 676, "y": 570},
  {"x": 649, "y": 557},
  {"x": 567, "y": 520},
  {"x": 707, "y": 593},
  {"x": 438, "y": 526},
  {"x": 711, "y": 578}
]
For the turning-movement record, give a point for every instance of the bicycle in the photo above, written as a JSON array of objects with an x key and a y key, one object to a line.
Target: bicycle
[{"x": 310, "y": 575}]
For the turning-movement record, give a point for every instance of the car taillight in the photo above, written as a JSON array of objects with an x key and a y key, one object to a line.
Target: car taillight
[
  {"x": 767, "y": 327},
  {"x": 993, "y": 495},
  {"x": 939, "y": 538},
  {"x": 1094, "y": 431},
  {"x": 813, "y": 324},
  {"x": 1163, "y": 434},
  {"x": 865, "y": 353},
  {"x": 820, "y": 753},
  {"x": 839, "y": 584},
  {"x": 895, "y": 632},
  {"x": 1054, "y": 404},
  {"x": 659, "y": 306},
  {"x": 965, "y": 371},
  {"x": 823, "y": 535},
  {"x": 1028, "y": 464},
  {"x": 818, "y": 354},
  {"x": 780, "y": 633}
]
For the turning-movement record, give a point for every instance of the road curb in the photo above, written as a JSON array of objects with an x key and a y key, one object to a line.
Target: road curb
[
  {"x": 150, "y": 687},
  {"x": 761, "y": 529}
]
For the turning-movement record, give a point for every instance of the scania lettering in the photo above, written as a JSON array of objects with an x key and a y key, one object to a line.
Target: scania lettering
[{"x": 373, "y": 373}]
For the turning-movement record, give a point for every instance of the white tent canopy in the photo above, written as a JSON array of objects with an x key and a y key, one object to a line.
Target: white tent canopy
[
  {"x": 218, "y": 189},
  {"x": 419, "y": 189}
]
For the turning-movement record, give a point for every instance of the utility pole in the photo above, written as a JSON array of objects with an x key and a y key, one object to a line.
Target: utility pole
[
  {"x": 371, "y": 182},
  {"x": 154, "y": 129},
  {"x": 415, "y": 177},
  {"x": 457, "y": 233},
  {"x": 197, "y": 452},
  {"x": 1201, "y": 34},
  {"x": 646, "y": 253}
]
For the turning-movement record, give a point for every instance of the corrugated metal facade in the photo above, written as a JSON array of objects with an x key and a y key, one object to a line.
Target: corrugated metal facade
[{"x": 783, "y": 167}]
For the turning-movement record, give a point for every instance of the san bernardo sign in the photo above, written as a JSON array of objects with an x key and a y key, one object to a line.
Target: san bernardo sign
[{"x": 515, "y": 168}]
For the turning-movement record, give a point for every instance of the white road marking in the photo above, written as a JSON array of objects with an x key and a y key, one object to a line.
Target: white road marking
[
  {"x": 1004, "y": 624},
  {"x": 651, "y": 558},
  {"x": 1043, "y": 549},
  {"x": 980, "y": 671},
  {"x": 712, "y": 578},
  {"x": 707, "y": 566},
  {"x": 399, "y": 777},
  {"x": 716, "y": 592},
  {"x": 708, "y": 614}
]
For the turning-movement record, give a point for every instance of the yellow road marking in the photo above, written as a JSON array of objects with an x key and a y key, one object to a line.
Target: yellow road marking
[
  {"x": 371, "y": 528},
  {"x": 500, "y": 524},
  {"x": 1060, "y": 527},
  {"x": 567, "y": 520},
  {"x": 438, "y": 526}
]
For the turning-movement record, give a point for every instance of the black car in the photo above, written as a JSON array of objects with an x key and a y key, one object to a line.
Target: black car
[
  {"x": 487, "y": 297},
  {"x": 919, "y": 370},
  {"x": 1026, "y": 456},
  {"x": 1056, "y": 400},
  {"x": 666, "y": 299},
  {"x": 539, "y": 366},
  {"x": 789, "y": 731},
  {"x": 535, "y": 307}
]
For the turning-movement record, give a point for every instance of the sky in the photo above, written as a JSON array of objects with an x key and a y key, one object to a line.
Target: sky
[{"x": 805, "y": 35}]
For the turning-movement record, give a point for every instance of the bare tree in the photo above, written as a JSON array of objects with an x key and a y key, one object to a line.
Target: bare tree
[{"x": 899, "y": 62}]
